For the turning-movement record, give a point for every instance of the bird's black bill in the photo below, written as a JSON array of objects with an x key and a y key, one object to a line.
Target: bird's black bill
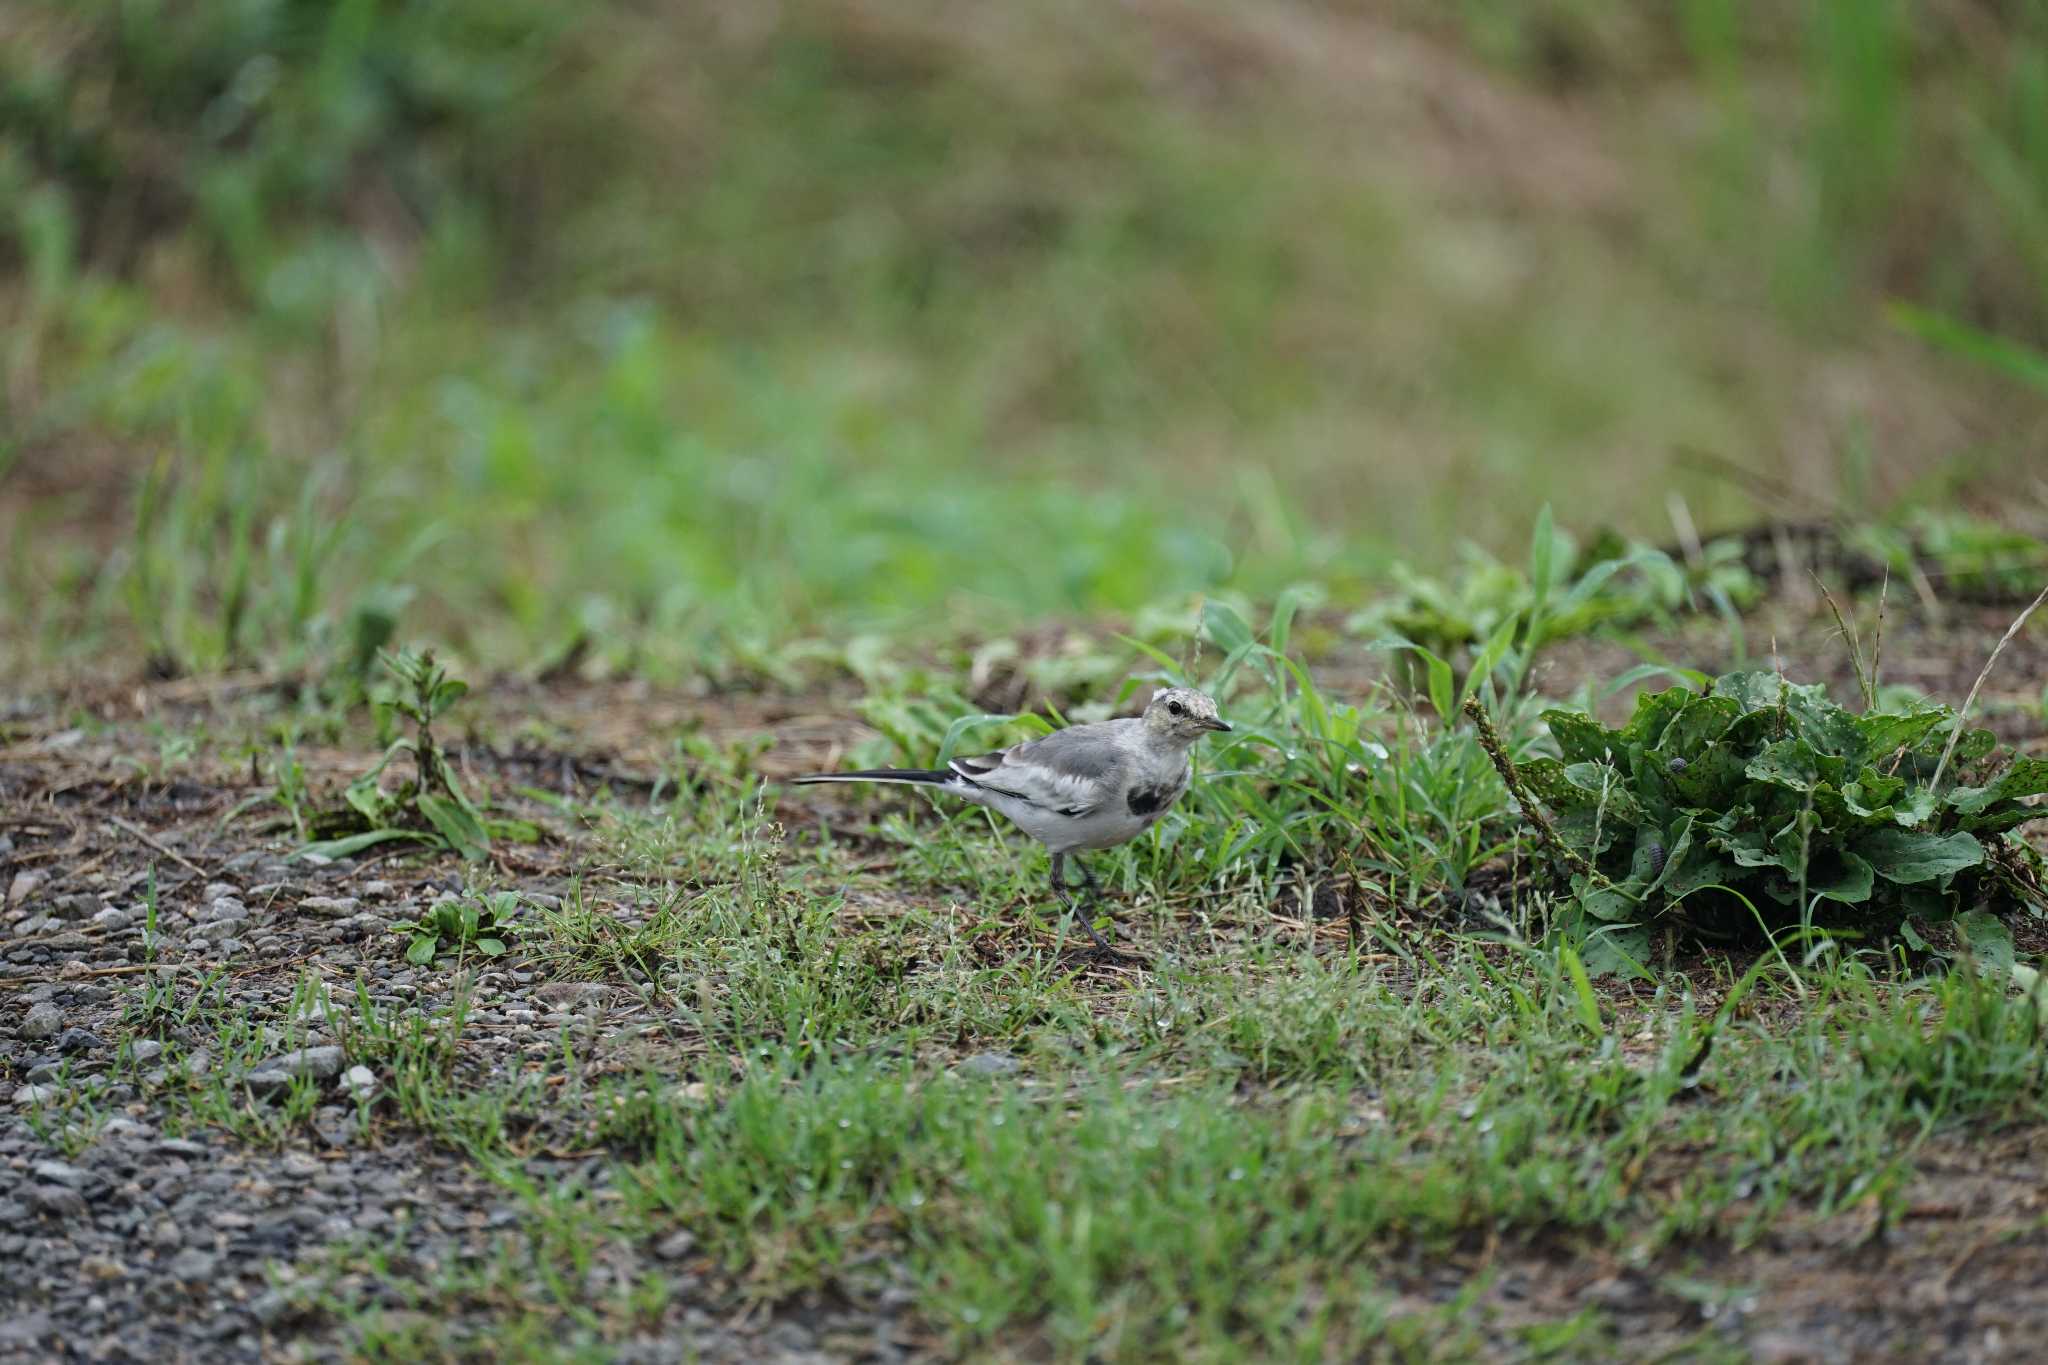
[{"x": 1222, "y": 725}]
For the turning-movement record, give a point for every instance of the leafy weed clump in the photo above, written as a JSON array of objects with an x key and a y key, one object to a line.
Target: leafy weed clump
[
  {"x": 432, "y": 808},
  {"x": 1757, "y": 803},
  {"x": 484, "y": 923}
]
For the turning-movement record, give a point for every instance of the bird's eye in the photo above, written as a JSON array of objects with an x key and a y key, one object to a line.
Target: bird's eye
[{"x": 1175, "y": 708}]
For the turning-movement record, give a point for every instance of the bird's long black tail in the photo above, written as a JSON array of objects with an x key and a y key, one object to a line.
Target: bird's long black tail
[{"x": 917, "y": 777}]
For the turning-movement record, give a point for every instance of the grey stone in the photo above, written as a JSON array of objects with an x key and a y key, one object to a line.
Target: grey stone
[
  {"x": 78, "y": 1040},
  {"x": 27, "y": 1330},
  {"x": 29, "y": 1096},
  {"x": 145, "y": 1050},
  {"x": 42, "y": 1021},
  {"x": 191, "y": 1264},
  {"x": 360, "y": 1082},
  {"x": 321, "y": 1063},
  {"x": 62, "y": 1173},
  {"x": 329, "y": 907},
  {"x": 75, "y": 906},
  {"x": 222, "y": 908},
  {"x": 675, "y": 1246},
  {"x": 59, "y": 1201},
  {"x": 572, "y": 994},
  {"x": 24, "y": 885},
  {"x": 111, "y": 919},
  {"x": 991, "y": 1064}
]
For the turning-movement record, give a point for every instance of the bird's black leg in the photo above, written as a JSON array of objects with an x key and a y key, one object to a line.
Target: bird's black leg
[{"x": 1066, "y": 895}]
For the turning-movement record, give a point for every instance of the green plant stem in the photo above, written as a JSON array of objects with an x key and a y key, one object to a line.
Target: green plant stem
[{"x": 1489, "y": 740}]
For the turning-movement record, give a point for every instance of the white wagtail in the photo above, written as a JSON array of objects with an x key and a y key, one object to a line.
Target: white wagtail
[{"x": 1082, "y": 788}]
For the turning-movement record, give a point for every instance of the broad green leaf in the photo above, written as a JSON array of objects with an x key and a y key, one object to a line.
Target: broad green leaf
[
  {"x": 1972, "y": 746},
  {"x": 1749, "y": 848},
  {"x": 1653, "y": 714},
  {"x": 1753, "y": 691},
  {"x": 457, "y": 826},
  {"x": 1546, "y": 781},
  {"x": 1695, "y": 871},
  {"x": 1675, "y": 857},
  {"x": 1606, "y": 789},
  {"x": 1710, "y": 776},
  {"x": 1698, "y": 721},
  {"x": 1884, "y": 735},
  {"x": 356, "y": 843},
  {"x": 1618, "y": 950},
  {"x": 1615, "y": 904},
  {"x": 1580, "y": 738},
  {"x": 491, "y": 947},
  {"x": 448, "y": 692},
  {"x": 1909, "y": 856},
  {"x": 421, "y": 950},
  {"x": 1225, "y": 627},
  {"x": 1851, "y": 881},
  {"x": 1996, "y": 806},
  {"x": 1789, "y": 763},
  {"x": 1989, "y": 940},
  {"x": 1872, "y": 795}
]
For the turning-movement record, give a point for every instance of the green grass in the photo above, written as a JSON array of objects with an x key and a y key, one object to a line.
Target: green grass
[
  {"x": 1240, "y": 1150},
  {"x": 932, "y": 331},
  {"x": 1226, "y": 1158}
]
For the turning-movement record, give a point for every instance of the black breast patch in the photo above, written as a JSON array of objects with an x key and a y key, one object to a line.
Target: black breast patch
[{"x": 1150, "y": 800}]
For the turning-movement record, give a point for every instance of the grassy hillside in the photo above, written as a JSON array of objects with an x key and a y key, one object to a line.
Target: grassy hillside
[{"x": 699, "y": 329}]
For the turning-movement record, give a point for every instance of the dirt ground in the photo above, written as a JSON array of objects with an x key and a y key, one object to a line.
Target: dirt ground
[{"x": 156, "y": 1239}]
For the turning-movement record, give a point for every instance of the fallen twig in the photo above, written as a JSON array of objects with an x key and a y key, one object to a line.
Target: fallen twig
[{"x": 146, "y": 837}]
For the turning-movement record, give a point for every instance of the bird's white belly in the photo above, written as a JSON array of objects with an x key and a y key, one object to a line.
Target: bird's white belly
[
  {"x": 1107, "y": 829},
  {"x": 1118, "y": 820}
]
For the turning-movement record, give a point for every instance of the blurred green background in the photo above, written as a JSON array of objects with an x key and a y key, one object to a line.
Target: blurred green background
[{"x": 699, "y": 331}]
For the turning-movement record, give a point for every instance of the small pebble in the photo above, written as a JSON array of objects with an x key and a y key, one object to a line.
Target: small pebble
[
  {"x": 360, "y": 1082},
  {"x": 42, "y": 1021},
  {"x": 675, "y": 1246},
  {"x": 191, "y": 1265},
  {"x": 991, "y": 1064},
  {"x": 59, "y": 1201}
]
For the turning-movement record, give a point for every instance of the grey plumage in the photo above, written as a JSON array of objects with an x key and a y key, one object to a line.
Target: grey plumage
[{"x": 1079, "y": 789}]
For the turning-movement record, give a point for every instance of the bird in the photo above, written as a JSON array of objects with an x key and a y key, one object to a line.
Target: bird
[{"x": 1080, "y": 789}]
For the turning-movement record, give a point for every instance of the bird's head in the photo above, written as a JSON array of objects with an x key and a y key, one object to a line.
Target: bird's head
[{"x": 1183, "y": 714}]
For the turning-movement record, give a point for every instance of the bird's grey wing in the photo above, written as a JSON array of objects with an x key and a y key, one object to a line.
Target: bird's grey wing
[{"x": 1072, "y": 771}]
